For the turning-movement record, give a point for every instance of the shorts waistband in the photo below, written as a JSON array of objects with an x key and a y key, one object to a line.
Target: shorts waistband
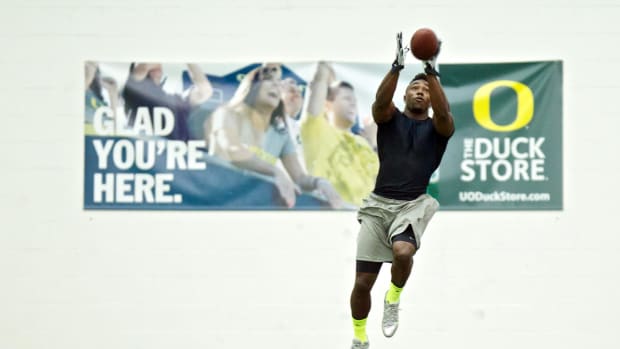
[{"x": 385, "y": 200}]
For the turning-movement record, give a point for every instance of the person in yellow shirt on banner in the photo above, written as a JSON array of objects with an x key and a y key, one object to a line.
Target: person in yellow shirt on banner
[{"x": 331, "y": 151}]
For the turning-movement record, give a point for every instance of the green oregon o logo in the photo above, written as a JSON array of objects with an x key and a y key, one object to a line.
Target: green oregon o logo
[{"x": 482, "y": 106}]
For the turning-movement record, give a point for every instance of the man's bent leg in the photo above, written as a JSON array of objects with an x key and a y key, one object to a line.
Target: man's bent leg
[{"x": 403, "y": 249}]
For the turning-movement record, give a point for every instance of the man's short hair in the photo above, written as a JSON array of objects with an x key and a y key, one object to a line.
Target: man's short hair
[
  {"x": 333, "y": 89},
  {"x": 420, "y": 76}
]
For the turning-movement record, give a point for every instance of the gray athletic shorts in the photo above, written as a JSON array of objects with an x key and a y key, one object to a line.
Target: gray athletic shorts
[{"x": 382, "y": 218}]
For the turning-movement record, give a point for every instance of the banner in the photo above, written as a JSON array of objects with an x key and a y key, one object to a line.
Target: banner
[
  {"x": 253, "y": 136},
  {"x": 507, "y": 149}
]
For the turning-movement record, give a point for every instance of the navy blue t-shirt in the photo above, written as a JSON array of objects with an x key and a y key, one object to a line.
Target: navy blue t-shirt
[{"x": 409, "y": 152}]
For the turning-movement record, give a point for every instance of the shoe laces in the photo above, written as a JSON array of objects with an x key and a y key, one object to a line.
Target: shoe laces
[{"x": 391, "y": 314}]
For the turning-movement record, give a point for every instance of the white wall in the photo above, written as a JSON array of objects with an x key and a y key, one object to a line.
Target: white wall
[{"x": 71, "y": 278}]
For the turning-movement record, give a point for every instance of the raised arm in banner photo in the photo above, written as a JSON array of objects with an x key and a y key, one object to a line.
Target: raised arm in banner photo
[
  {"x": 252, "y": 134},
  {"x": 331, "y": 150},
  {"x": 144, "y": 89},
  {"x": 95, "y": 85}
]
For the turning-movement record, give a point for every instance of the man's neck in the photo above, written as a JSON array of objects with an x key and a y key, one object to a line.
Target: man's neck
[
  {"x": 339, "y": 123},
  {"x": 415, "y": 115}
]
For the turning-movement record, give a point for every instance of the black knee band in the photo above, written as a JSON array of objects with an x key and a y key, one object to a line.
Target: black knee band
[{"x": 406, "y": 236}]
